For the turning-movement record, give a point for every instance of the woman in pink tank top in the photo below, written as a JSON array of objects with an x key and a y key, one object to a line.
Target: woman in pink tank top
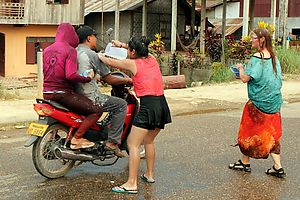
[{"x": 154, "y": 111}]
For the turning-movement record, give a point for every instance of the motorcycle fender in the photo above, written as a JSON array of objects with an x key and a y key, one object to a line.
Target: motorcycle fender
[{"x": 31, "y": 140}]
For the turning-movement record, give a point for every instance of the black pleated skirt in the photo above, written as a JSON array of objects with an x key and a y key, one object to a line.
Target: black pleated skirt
[{"x": 154, "y": 113}]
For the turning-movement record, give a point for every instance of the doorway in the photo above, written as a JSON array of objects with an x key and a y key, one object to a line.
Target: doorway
[{"x": 2, "y": 54}]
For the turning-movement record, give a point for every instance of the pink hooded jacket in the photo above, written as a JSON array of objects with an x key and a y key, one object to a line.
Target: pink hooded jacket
[{"x": 60, "y": 61}]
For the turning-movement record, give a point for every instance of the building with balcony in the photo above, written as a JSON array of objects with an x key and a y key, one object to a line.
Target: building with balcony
[{"x": 27, "y": 26}]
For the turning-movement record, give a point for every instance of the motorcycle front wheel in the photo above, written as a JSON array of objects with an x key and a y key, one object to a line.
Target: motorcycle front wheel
[{"x": 44, "y": 159}]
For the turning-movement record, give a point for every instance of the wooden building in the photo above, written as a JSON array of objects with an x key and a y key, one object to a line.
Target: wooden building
[
  {"x": 159, "y": 17},
  {"x": 27, "y": 26}
]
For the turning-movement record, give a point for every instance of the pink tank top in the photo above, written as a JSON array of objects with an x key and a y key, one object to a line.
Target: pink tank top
[{"x": 148, "y": 78}]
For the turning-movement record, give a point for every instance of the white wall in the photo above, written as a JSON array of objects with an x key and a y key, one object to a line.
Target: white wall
[{"x": 232, "y": 11}]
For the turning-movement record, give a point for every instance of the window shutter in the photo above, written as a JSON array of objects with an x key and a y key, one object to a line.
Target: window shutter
[
  {"x": 44, "y": 45},
  {"x": 64, "y": 1},
  {"x": 30, "y": 53},
  {"x": 49, "y": 1}
]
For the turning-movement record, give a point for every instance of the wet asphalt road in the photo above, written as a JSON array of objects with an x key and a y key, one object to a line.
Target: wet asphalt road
[{"x": 192, "y": 158}]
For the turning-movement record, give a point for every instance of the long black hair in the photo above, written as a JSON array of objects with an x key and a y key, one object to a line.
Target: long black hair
[{"x": 140, "y": 45}]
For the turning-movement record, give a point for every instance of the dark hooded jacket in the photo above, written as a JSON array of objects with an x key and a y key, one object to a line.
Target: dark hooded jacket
[{"x": 60, "y": 61}]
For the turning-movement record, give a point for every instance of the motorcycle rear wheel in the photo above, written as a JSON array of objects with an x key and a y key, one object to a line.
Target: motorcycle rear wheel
[{"x": 44, "y": 159}]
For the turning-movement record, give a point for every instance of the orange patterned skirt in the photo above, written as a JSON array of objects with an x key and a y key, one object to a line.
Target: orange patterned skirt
[{"x": 259, "y": 133}]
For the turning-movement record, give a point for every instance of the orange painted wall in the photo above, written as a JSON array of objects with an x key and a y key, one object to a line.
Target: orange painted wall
[{"x": 15, "y": 47}]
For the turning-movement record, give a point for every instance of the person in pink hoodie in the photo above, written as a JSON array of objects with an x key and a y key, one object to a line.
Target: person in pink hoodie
[{"x": 60, "y": 78}]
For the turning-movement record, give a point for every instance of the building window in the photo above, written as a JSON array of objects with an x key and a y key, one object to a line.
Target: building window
[
  {"x": 57, "y": 1},
  {"x": 35, "y": 44},
  {"x": 296, "y": 31}
]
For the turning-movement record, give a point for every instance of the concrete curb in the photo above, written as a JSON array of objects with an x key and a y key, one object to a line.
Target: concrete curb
[{"x": 205, "y": 98}]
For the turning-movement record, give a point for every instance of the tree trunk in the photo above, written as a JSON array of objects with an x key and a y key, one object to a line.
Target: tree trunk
[
  {"x": 223, "y": 30},
  {"x": 251, "y": 16},
  {"x": 202, "y": 29},
  {"x": 193, "y": 18},
  {"x": 174, "y": 82},
  {"x": 273, "y": 17},
  {"x": 283, "y": 21}
]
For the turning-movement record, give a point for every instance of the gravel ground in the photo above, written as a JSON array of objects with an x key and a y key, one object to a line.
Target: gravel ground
[{"x": 22, "y": 88}]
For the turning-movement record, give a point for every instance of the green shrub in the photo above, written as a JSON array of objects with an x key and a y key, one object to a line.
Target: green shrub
[
  {"x": 221, "y": 73},
  {"x": 289, "y": 60},
  {"x": 241, "y": 50}
]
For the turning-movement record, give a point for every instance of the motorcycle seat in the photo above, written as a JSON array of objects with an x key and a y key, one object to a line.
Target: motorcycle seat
[{"x": 53, "y": 103}]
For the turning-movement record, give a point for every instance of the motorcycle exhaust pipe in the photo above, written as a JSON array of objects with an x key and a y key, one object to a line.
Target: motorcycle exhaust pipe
[{"x": 71, "y": 155}]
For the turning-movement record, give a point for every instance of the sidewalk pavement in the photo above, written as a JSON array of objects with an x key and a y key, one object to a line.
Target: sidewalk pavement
[{"x": 201, "y": 99}]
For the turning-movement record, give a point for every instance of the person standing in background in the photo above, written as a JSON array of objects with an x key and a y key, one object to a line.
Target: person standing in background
[{"x": 261, "y": 128}]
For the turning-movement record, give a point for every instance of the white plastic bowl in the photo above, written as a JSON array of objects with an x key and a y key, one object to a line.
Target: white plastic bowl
[{"x": 115, "y": 52}]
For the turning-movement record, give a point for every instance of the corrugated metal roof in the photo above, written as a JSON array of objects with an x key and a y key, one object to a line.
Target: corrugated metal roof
[
  {"x": 210, "y": 3},
  {"x": 110, "y": 5},
  {"x": 232, "y": 25}
]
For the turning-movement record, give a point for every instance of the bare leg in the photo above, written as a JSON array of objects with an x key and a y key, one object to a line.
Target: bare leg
[
  {"x": 245, "y": 159},
  {"x": 276, "y": 159},
  {"x": 243, "y": 164},
  {"x": 150, "y": 153},
  {"x": 134, "y": 142}
]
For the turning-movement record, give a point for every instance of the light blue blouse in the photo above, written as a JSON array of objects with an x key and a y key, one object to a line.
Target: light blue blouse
[{"x": 264, "y": 87}]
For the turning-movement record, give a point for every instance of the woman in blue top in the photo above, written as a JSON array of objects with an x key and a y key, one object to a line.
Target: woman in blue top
[{"x": 260, "y": 129}]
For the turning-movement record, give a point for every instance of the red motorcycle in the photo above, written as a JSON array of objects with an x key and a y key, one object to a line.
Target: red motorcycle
[{"x": 51, "y": 135}]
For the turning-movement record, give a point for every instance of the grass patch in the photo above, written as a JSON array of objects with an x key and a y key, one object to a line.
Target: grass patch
[
  {"x": 289, "y": 60},
  {"x": 221, "y": 73}
]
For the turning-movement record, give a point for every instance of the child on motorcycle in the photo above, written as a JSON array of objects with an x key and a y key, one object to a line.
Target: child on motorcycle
[{"x": 154, "y": 112}]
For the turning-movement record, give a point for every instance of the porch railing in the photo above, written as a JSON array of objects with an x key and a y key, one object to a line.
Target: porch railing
[{"x": 10, "y": 10}]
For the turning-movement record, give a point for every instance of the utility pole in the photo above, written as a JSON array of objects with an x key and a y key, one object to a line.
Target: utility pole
[
  {"x": 144, "y": 24},
  {"x": 40, "y": 76},
  {"x": 174, "y": 26},
  {"x": 117, "y": 20},
  {"x": 102, "y": 23}
]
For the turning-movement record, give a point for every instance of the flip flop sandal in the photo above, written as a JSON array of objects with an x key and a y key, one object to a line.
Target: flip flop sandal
[
  {"x": 145, "y": 179},
  {"x": 83, "y": 145},
  {"x": 120, "y": 189},
  {"x": 279, "y": 173},
  {"x": 239, "y": 165}
]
